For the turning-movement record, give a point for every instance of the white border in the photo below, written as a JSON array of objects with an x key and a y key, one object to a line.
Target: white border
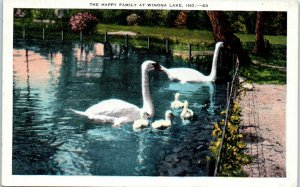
[{"x": 291, "y": 109}]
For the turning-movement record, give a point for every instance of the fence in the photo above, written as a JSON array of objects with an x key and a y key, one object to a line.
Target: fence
[
  {"x": 232, "y": 91},
  {"x": 55, "y": 32}
]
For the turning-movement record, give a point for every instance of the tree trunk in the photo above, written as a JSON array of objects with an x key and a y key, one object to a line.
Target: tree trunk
[
  {"x": 222, "y": 32},
  {"x": 260, "y": 47}
]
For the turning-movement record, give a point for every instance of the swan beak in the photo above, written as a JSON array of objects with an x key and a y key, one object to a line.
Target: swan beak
[{"x": 157, "y": 67}]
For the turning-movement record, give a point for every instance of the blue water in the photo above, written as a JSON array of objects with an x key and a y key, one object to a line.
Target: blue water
[{"x": 50, "y": 140}]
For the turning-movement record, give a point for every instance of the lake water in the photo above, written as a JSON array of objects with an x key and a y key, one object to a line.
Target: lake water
[{"x": 50, "y": 78}]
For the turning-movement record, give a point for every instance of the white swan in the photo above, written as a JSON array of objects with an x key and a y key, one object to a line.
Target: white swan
[
  {"x": 163, "y": 124},
  {"x": 176, "y": 103},
  {"x": 141, "y": 123},
  {"x": 186, "y": 112},
  {"x": 117, "y": 111},
  {"x": 190, "y": 75}
]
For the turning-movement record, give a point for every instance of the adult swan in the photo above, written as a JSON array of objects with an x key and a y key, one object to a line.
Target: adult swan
[
  {"x": 190, "y": 75},
  {"x": 116, "y": 111}
]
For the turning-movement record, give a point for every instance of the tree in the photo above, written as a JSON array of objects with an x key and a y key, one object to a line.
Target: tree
[
  {"x": 260, "y": 47},
  {"x": 222, "y": 32}
]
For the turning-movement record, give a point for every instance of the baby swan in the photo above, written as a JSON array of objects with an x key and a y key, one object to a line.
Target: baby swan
[
  {"x": 186, "y": 113},
  {"x": 176, "y": 104},
  {"x": 141, "y": 123},
  {"x": 163, "y": 124}
]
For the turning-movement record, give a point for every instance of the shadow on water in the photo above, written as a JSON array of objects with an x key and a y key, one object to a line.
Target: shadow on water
[{"x": 49, "y": 140}]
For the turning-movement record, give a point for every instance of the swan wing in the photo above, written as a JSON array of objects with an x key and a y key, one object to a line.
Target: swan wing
[
  {"x": 186, "y": 75},
  {"x": 115, "y": 108}
]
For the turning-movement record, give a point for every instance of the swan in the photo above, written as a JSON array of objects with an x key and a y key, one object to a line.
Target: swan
[
  {"x": 141, "y": 123},
  {"x": 163, "y": 124},
  {"x": 176, "y": 103},
  {"x": 186, "y": 113},
  {"x": 116, "y": 111},
  {"x": 190, "y": 75}
]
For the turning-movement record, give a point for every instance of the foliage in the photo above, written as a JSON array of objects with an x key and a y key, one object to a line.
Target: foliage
[
  {"x": 133, "y": 19},
  {"x": 276, "y": 23},
  {"x": 181, "y": 20},
  {"x": 263, "y": 75},
  {"x": 242, "y": 22},
  {"x": 43, "y": 14},
  {"x": 198, "y": 20},
  {"x": 83, "y": 22},
  {"x": 233, "y": 156},
  {"x": 19, "y": 13}
]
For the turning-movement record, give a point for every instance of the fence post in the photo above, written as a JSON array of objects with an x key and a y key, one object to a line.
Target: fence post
[
  {"x": 167, "y": 46},
  {"x": 81, "y": 36},
  {"x": 148, "y": 47},
  {"x": 62, "y": 35},
  {"x": 43, "y": 33},
  {"x": 105, "y": 37},
  {"x": 126, "y": 40},
  {"x": 190, "y": 52},
  {"x": 24, "y": 32}
]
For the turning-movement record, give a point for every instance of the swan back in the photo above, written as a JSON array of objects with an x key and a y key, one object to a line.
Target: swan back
[{"x": 190, "y": 75}]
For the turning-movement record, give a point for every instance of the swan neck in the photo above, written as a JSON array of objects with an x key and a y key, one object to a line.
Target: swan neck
[
  {"x": 147, "y": 102},
  {"x": 213, "y": 71},
  {"x": 165, "y": 70}
]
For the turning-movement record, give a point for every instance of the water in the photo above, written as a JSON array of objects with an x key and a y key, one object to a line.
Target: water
[{"x": 50, "y": 140}]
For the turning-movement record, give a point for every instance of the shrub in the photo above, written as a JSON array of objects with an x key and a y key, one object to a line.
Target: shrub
[
  {"x": 133, "y": 19},
  {"x": 181, "y": 20},
  {"x": 233, "y": 156},
  {"x": 83, "y": 22}
]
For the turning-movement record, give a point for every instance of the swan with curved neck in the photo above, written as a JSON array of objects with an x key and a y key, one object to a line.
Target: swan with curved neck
[
  {"x": 117, "y": 111},
  {"x": 190, "y": 75}
]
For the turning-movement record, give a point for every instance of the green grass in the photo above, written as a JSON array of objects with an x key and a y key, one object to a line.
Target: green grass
[
  {"x": 263, "y": 75},
  {"x": 173, "y": 34},
  {"x": 270, "y": 61},
  {"x": 275, "y": 40},
  {"x": 182, "y": 35}
]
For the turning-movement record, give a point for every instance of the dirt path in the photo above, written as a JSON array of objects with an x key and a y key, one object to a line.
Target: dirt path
[{"x": 263, "y": 125}]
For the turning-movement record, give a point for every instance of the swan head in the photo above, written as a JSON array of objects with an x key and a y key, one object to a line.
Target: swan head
[
  {"x": 151, "y": 65},
  {"x": 219, "y": 44},
  {"x": 169, "y": 115}
]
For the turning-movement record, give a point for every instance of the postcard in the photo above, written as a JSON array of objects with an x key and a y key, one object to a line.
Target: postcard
[{"x": 150, "y": 93}]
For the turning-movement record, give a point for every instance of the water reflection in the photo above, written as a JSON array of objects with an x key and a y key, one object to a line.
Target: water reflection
[{"x": 47, "y": 139}]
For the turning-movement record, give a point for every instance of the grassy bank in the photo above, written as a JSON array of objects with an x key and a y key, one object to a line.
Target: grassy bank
[{"x": 173, "y": 34}]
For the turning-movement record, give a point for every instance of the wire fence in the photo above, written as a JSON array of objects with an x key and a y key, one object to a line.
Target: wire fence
[{"x": 232, "y": 93}]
